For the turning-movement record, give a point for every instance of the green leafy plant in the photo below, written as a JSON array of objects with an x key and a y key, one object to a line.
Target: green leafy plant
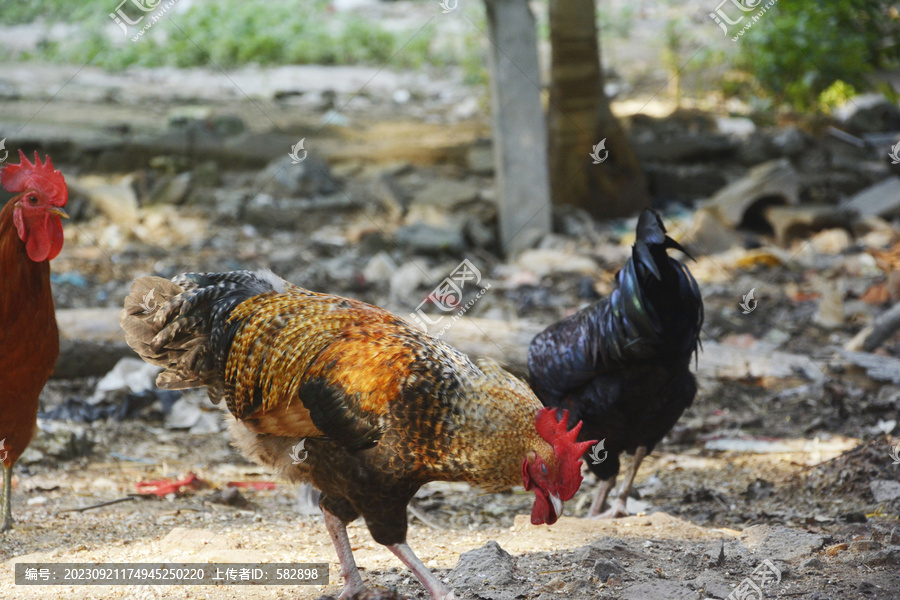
[{"x": 799, "y": 50}]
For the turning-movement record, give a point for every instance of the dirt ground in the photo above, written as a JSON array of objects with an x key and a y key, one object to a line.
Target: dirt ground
[
  {"x": 799, "y": 496},
  {"x": 691, "y": 544}
]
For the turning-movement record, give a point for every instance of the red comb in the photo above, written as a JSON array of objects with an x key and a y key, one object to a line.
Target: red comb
[
  {"x": 568, "y": 451},
  {"x": 38, "y": 176}
]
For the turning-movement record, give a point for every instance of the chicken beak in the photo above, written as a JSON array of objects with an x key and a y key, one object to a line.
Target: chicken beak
[
  {"x": 58, "y": 211},
  {"x": 557, "y": 505}
]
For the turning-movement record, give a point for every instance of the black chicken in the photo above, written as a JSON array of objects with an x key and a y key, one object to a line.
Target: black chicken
[{"x": 622, "y": 365}]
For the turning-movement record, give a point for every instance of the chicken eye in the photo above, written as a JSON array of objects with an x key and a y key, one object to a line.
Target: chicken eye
[
  {"x": 544, "y": 470},
  {"x": 32, "y": 199}
]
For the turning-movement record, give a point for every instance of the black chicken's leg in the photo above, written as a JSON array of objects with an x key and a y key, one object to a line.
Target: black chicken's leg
[
  {"x": 603, "y": 490},
  {"x": 6, "y": 500},
  {"x": 618, "y": 509},
  {"x": 353, "y": 583}
]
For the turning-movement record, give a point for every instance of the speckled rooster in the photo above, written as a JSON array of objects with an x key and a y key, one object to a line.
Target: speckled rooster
[
  {"x": 383, "y": 408},
  {"x": 622, "y": 365}
]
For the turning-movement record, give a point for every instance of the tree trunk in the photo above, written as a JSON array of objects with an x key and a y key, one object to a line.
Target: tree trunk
[
  {"x": 520, "y": 133},
  {"x": 580, "y": 118}
]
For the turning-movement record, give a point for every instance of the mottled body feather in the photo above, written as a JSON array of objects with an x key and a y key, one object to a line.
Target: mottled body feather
[{"x": 383, "y": 407}]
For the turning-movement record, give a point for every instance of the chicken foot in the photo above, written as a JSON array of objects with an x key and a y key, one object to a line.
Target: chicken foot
[
  {"x": 599, "y": 502},
  {"x": 618, "y": 509},
  {"x": 353, "y": 583},
  {"x": 436, "y": 589},
  {"x": 6, "y": 500}
]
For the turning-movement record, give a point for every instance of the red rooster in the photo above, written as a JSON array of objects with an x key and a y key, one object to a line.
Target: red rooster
[
  {"x": 349, "y": 397},
  {"x": 31, "y": 235}
]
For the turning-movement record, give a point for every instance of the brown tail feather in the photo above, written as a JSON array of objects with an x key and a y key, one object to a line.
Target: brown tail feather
[{"x": 147, "y": 322}]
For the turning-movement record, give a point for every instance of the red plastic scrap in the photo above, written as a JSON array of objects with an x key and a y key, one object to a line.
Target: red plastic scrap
[
  {"x": 252, "y": 485},
  {"x": 163, "y": 487}
]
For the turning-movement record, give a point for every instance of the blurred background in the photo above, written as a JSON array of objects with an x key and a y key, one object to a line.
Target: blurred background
[{"x": 367, "y": 147}]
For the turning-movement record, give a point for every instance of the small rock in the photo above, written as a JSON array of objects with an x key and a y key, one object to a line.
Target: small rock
[
  {"x": 813, "y": 563},
  {"x": 401, "y": 96},
  {"x": 789, "y": 142},
  {"x": 555, "y": 585},
  {"x": 894, "y": 539},
  {"x": 670, "y": 590},
  {"x": 405, "y": 280},
  {"x": 831, "y": 241},
  {"x": 422, "y": 237},
  {"x": 740, "y": 127},
  {"x": 888, "y": 556},
  {"x": 171, "y": 190},
  {"x": 712, "y": 583},
  {"x": 380, "y": 268},
  {"x": 708, "y": 235},
  {"x": 488, "y": 565},
  {"x": 446, "y": 193},
  {"x": 547, "y": 261},
  {"x": 228, "y": 497},
  {"x": 715, "y": 556},
  {"x": 864, "y": 546},
  {"x": 885, "y": 490},
  {"x": 312, "y": 177},
  {"x": 605, "y": 567}
]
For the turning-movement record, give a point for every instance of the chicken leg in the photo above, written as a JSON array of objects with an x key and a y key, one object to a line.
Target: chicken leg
[
  {"x": 6, "y": 500},
  {"x": 618, "y": 509},
  {"x": 436, "y": 589},
  {"x": 599, "y": 503},
  {"x": 353, "y": 583}
]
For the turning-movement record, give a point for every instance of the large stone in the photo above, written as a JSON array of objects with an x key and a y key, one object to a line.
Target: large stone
[
  {"x": 446, "y": 193},
  {"x": 885, "y": 490},
  {"x": 422, "y": 237},
  {"x": 171, "y": 190},
  {"x": 708, "y": 235},
  {"x": 792, "y": 222},
  {"x": 489, "y": 565},
  {"x": 773, "y": 182},
  {"x": 670, "y": 590},
  {"x": 881, "y": 200},
  {"x": 311, "y": 177},
  {"x": 776, "y": 542},
  {"x": 869, "y": 113}
]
